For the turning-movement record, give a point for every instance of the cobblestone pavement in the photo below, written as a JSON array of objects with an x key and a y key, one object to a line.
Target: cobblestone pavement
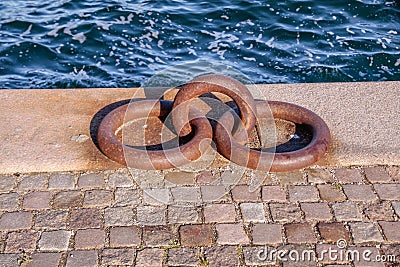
[{"x": 106, "y": 218}]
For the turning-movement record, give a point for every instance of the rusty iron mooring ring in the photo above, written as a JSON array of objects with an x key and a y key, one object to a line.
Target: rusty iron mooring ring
[
  {"x": 281, "y": 162},
  {"x": 151, "y": 159},
  {"x": 214, "y": 83}
]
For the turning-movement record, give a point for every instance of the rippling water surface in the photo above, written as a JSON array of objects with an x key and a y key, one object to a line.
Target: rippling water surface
[{"x": 89, "y": 43}]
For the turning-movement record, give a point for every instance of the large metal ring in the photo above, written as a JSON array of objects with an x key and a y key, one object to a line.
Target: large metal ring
[
  {"x": 151, "y": 159},
  {"x": 214, "y": 83},
  {"x": 269, "y": 161}
]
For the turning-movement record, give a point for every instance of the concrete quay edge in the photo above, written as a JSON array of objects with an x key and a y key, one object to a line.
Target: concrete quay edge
[{"x": 49, "y": 130}]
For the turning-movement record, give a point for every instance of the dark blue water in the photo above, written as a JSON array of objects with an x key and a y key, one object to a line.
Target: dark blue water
[{"x": 89, "y": 43}]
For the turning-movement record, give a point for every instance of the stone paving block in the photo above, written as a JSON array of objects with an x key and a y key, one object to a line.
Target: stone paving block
[
  {"x": 264, "y": 233},
  {"x": 378, "y": 211},
  {"x": 220, "y": 212},
  {"x": 346, "y": 211},
  {"x": 319, "y": 176},
  {"x": 285, "y": 212},
  {"x": 333, "y": 231},
  {"x": 33, "y": 182},
  {"x": 231, "y": 234},
  {"x": 185, "y": 194},
  {"x": 15, "y": 221},
  {"x": 97, "y": 198},
  {"x": 61, "y": 181},
  {"x": 210, "y": 193},
  {"x": 273, "y": 193},
  {"x": 124, "y": 236},
  {"x": 7, "y": 260},
  {"x": 91, "y": 180},
  {"x": 319, "y": 211},
  {"x": 83, "y": 258},
  {"x": 120, "y": 179},
  {"x": 291, "y": 178},
  {"x": 376, "y": 174},
  {"x": 89, "y": 239},
  {"x": 150, "y": 257},
  {"x": 156, "y": 196},
  {"x": 37, "y": 200},
  {"x": 151, "y": 215},
  {"x": 394, "y": 173},
  {"x": 222, "y": 256},
  {"x": 21, "y": 241},
  {"x": 180, "y": 178},
  {"x": 196, "y": 235},
  {"x": 9, "y": 201},
  {"x": 359, "y": 192},
  {"x": 126, "y": 197},
  {"x": 300, "y": 233},
  {"x": 365, "y": 232},
  {"x": 159, "y": 235},
  {"x": 345, "y": 176},
  {"x": 7, "y": 183},
  {"x": 242, "y": 193},
  {"x": 331, "y": 193},
  {"x": 118, "y": 216},
  {"x": 183, "y": 214},
  {"x": 118, "y": 256},
  {"x": 183, "y": 256},
  {"x": 86, "y": 218},
  {"x": 252, "y": 212},
  {"x": 44, "y": 259},
  {"x": 54, "y": 240},
  {"x": 68, "y": 199},
  {"x": 51, "y": 219},
  {"x": 396, "y": 207},
  {"x": 388, "y": 191},
  {"x": 303, "y": 193},
  {"x": 206, "y": 178},
  {"x": 391, "y": 230}
]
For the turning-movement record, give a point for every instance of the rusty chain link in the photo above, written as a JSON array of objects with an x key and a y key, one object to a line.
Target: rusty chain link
[{"x": 190, "y": 120}]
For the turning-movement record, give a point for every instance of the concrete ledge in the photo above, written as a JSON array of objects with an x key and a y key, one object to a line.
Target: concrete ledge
[{"x": 49, "y": 130}]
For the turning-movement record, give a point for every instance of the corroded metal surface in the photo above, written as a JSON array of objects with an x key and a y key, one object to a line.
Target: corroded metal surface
[
  {"x": 214, "y": 83},
  {"x": 228, "y": 144},
  {"x": 151, "y": 159},
  {"x": 271, "y": 161}
]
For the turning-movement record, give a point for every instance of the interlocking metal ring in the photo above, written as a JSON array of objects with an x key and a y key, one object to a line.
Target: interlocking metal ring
[
  {"x": 228, "y": 144},
  {"x": 152, "y": 159},
  {"x": 214, "y": 83},
  {"x": 285, "y": 161}
]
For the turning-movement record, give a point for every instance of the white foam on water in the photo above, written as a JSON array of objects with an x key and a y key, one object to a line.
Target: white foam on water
[
  {"x": 349, "y": 31},
  {"x": 79, "y": 37},
  {"x": 250, "y": 59},
  {"x": 28, "y": 31}
]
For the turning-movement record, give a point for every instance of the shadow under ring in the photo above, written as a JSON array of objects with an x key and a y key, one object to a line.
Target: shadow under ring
[
  {"x": 270, "y": 161},
  {"x": 152, "y": 159}
]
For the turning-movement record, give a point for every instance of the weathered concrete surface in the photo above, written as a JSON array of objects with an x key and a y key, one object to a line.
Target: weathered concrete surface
[
  {"x": 363, "y": 118},
  {"x": 49, "y": 130}
]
